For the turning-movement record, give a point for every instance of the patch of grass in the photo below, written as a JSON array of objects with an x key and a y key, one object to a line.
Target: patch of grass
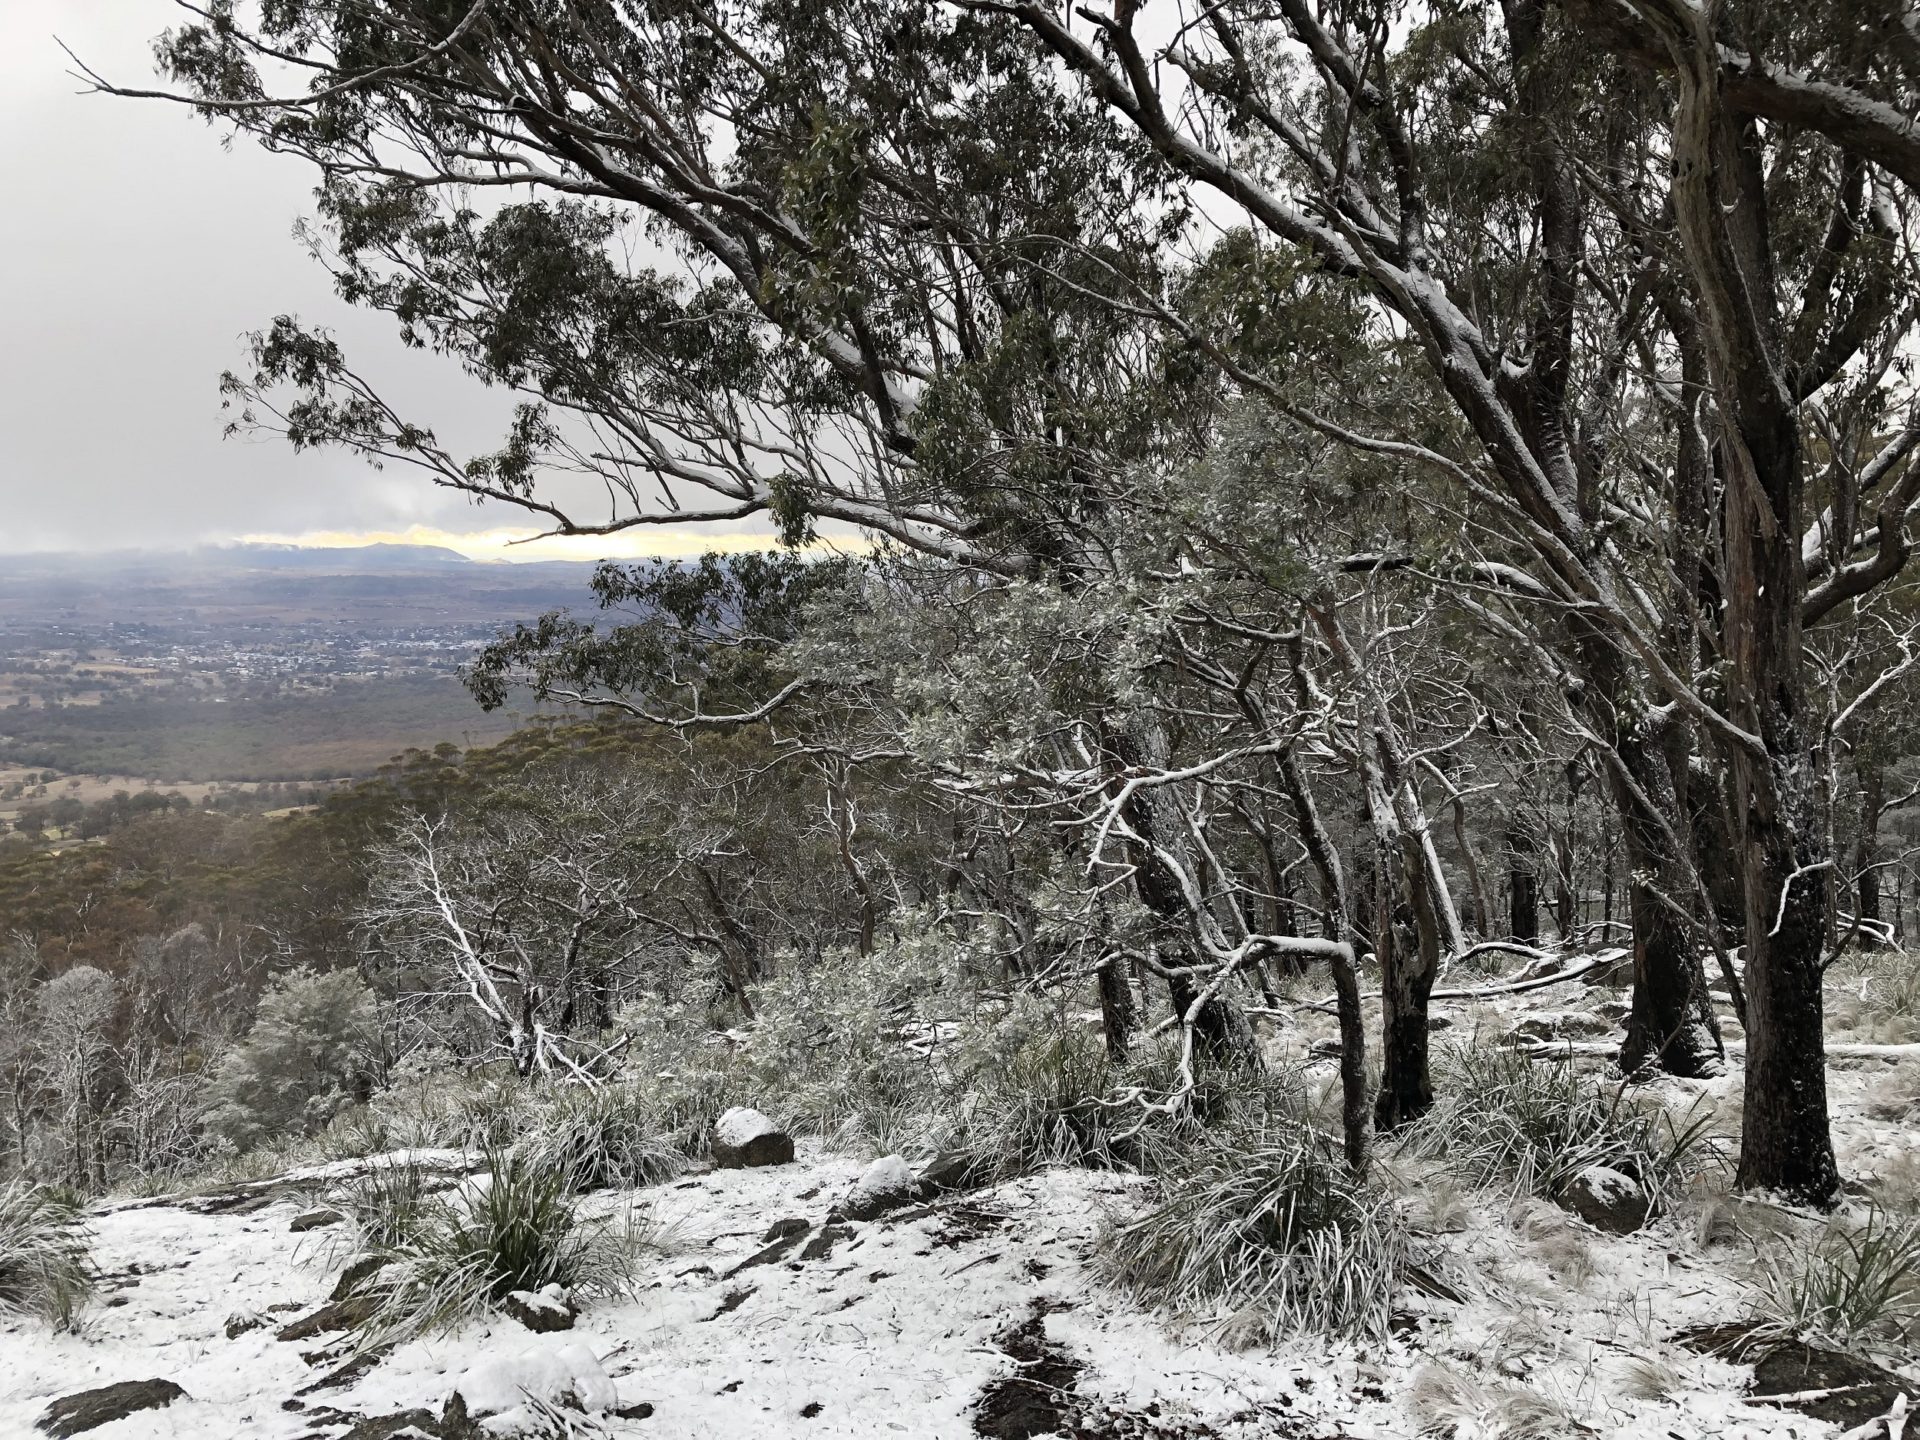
[
  {"x": 1261, "y": 1235},
  {"x": 1857, "y": 1286},
  {"x": 1448, "y": 1403},
  {"x": 1875, "y": 997},
  {"x": 388, "y": 1206},
  {"x": 1528, "y": 1126},
  {"x": 514, "y": 1228},
  {"x": 603, "y": 1139},
  {"x": 46, "y": 1267}
]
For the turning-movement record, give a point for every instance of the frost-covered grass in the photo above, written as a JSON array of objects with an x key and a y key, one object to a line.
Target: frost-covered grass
[
  {"x": 1874, "y": 996},
  {"x": 1856, "y": 1286},
  {"x": 452, "y": 1259},
  {"x": 1528, "y": 1126},
  {"x": 1263, "y": 1234},
  {"x": 46, "y": 1268},
  {"x": 603, "y": 1139}
]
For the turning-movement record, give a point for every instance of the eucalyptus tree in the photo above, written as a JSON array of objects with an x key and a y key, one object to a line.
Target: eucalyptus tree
[
  {"x": 1696, "y": 247},
  {"x": 898, "y": 247}
]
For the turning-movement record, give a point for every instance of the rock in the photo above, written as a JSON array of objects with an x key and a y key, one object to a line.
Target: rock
[
  {"x": 401, "y": 1425},
  {"x": 492, "y": 1397},
  {"x": 1324, "y": 1050},
  {"x": 954, "y": 1170},
  {"x": 90, "y": 1409},
  {"x": 639, "y": 1410},
  {"x": 1847, "y": 1391},
  {"x": 315, "y": 1220},
  {"x": 353, "y": 1280},
  {"x": 745, "y": 1139},
  {"x": 1606, "y": 1199},
  {"x": 1439, "y": 1022},
  {"x": 335, "y": 1315},
  {"x": 541, "y": 1311},
  {"x": 887, "y": 1184},
  {"x": 240, "y": 1322},
  {"x": 821, "y": 1245},
  {"x": 781, "y": 1237}
]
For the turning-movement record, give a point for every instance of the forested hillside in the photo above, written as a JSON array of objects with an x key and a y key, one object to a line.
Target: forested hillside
[{"x": 1354, "y": 802}]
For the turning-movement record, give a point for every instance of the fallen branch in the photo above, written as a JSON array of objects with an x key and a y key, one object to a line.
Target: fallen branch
[{"x": 1511, "y": 987}]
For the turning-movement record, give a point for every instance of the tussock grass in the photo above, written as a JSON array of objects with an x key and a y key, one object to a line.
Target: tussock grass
[
  {"x": 46, "y": 1268},
  {"x": 1448, "y": 1403},
  {"x": 1874, "y": 996},
  {"x": 455, "y": 1257},
  {"x": 603, "y": 1139},
  {"x": 1857, "y": 1286},
  {"x": 1260, "y": 1235},
  {"x": 388, "y": 1206},
  {"x": 1527, "y": 1126}
]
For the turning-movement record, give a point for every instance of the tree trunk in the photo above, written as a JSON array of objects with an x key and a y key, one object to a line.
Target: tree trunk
[
  {"x": 1118, "y": 1016},
  {"x": 1523, "y": 881},
  {"x": 1671, "y": 1025},
  {"x": 1220, "y": 1026},
  {"x": 1720, "y": 204}
]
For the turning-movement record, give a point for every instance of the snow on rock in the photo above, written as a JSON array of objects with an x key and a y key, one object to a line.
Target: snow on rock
[
  {"x": 546, "y": 1309},
  {"x": 886, "y": 1184},
  {"x": 90, "y": 1409},
  {"x": 506, "y": 1392},
  {"x": 746, "y": 1139},
  {"x": 1606, "y": 1199}
]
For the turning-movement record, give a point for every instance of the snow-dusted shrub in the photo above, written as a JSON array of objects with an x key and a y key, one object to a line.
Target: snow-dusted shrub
[
  {"x": 513, "y": 1228},
  {"x": 1262, "y": 1233},
  {"x": 308, "y": 1056},
  {"x": 45, "y": 1266},
  {"x": 1858, "y": 1285},
  {"x": 605, "y": 1139},
  {"x": 1528, "y": 1126}
]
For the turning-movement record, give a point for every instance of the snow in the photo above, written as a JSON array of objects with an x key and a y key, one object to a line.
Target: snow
[
  {"x": 895, "y": 1331},
  {"x": 500, "y": 1386},
  {"x": 740, "y": 1126}
]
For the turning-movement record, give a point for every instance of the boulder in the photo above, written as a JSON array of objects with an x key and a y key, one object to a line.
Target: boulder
[
  {"x": 90, "y": 1409},
  {"x": 492, "y": 1397},
  {"x": 744, "y": 1139},
  {"x": 542, "y": 1311},
  {"x": 1607, "y": 1200},
  {"x": 315, "y": 1220},
  {"x": 887, "y": 1184}
]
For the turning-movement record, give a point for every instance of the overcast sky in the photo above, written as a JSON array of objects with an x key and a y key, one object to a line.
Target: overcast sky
[{"x": 134, "y": 253}]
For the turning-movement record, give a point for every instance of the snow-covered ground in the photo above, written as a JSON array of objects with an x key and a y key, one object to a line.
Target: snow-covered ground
[{"x": 907, "y": 1319}]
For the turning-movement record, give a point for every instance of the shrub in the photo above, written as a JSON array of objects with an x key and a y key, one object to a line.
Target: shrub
[
  {"x": 45, "y": 1265},
  {"x": 605, "y": 1139},
  {"x": 515, "y": 1228},
  {"x": 1859, "y": 1285},
  {"x": 1264, "y": 1234},
  {"x": 1529, "y": 1126},
  {"x": 307, "y": 1057}
]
